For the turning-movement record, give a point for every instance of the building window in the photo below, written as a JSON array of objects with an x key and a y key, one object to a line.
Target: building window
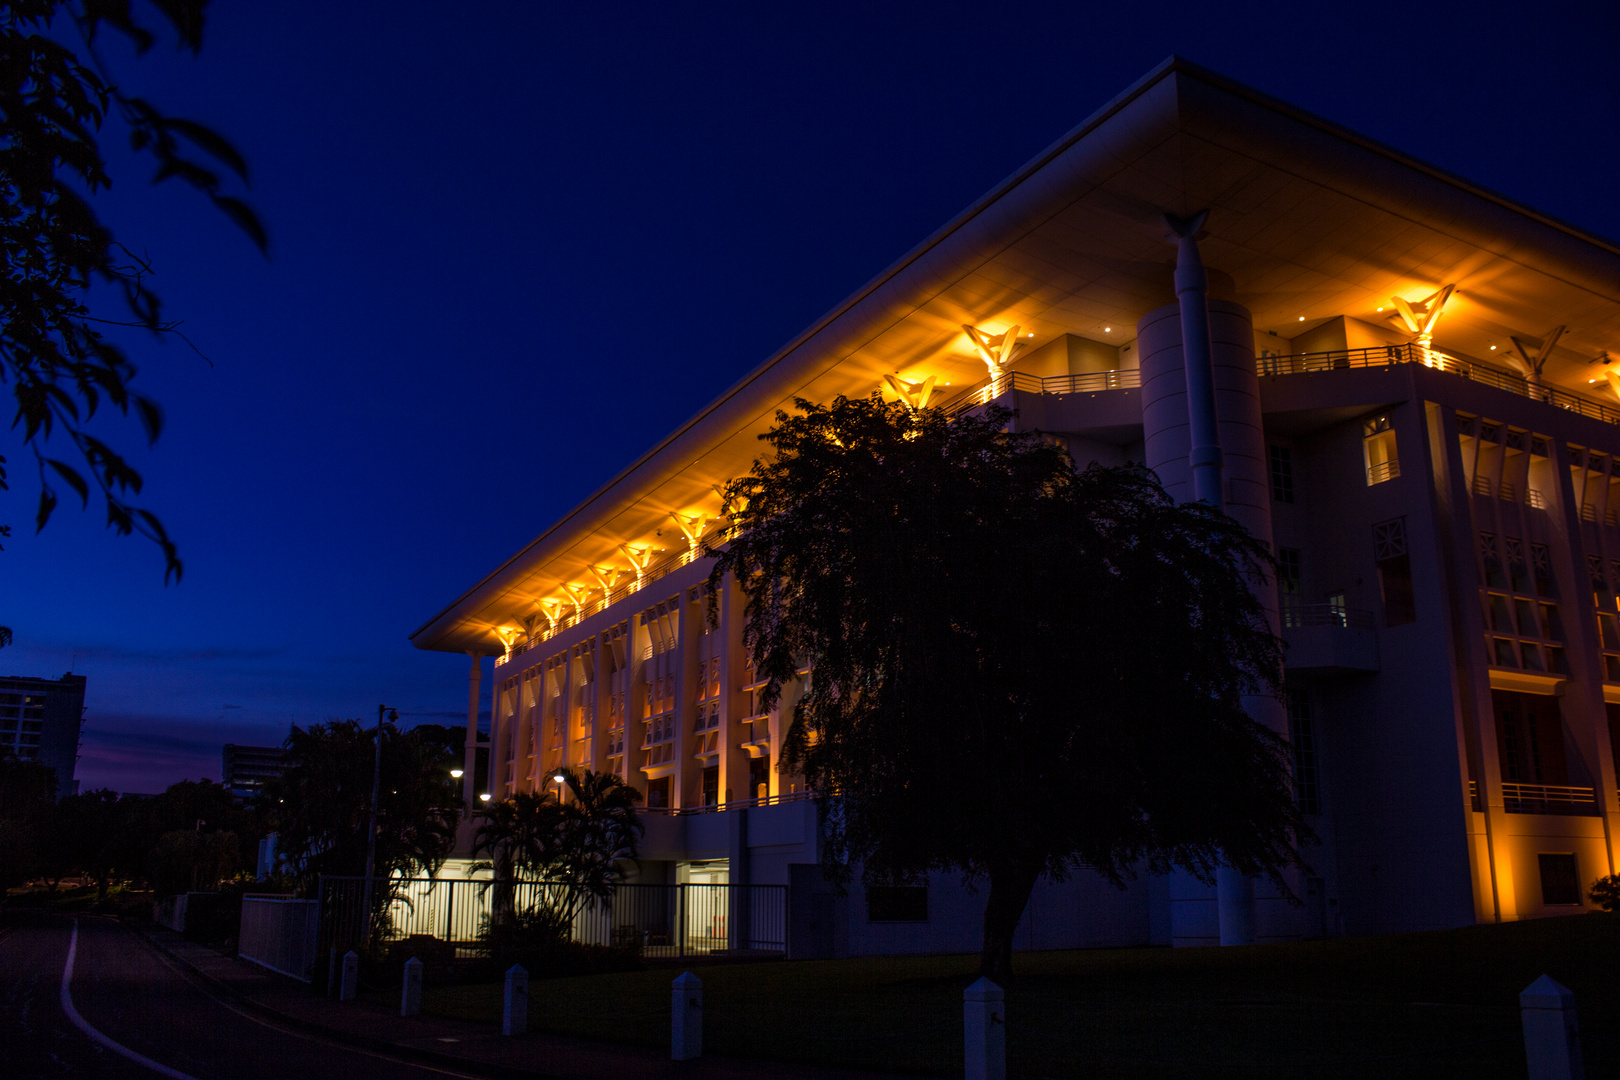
[
  {"x": 1288, "y": 576},
  {"x": 897, "y": 903},
  {"x": 1560, "y": 879},
  {"x": 1307, "y": 792},
  {"x": 1491, "y": 562},
  {"x": 658, "y": 793},
  {"x": 1282, "y": 473},
  {"x": 1541, "y": 569},
  {"x": 1394, "y": 572},
  {"x": 1378, "y": 449}
]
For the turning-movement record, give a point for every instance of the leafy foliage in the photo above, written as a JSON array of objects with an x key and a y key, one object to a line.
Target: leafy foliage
[
  {"x": 582, "y": 844},
  {"x": 1605, "y": 892},
  {"x": 1017, "y": 669},
  {"x": 321, "y": 806},
  {"x": 61, "y": 368},
  {"x": 27, "y": 808}
]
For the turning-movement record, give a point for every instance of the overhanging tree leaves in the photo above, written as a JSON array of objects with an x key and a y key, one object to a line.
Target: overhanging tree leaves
[
  {"x": 61, "y": 368},
  {"x": 1017, "y": 669},
  {"x": 321, "y": 805}
]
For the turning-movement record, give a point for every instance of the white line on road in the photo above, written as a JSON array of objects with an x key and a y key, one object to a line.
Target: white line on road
[{"x": 84, "y": 1025}]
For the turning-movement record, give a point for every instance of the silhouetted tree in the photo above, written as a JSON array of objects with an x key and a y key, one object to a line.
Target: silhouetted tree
[
  {"x": 54, "y": 99},
  {"x": 321, "y": 805},
  {"x": 27, "y": 808},
  {"x": 583, "y": 843},
  {"x": 1017, "y": 670}
]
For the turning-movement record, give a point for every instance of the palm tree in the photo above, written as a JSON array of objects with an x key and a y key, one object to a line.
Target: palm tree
[
  {"x": 522, "y": 836},
  {"x": 581, "y": 845},
  {"x": 600, "y": 834}
]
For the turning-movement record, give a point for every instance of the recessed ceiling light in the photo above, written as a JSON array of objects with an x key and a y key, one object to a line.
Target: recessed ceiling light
[
  {"x": 1380, "y": 309},
  {"x": 1493, "y": 348},
  {"x": 1302, "y": 318},
  {"x": 1108, "y": 329}
]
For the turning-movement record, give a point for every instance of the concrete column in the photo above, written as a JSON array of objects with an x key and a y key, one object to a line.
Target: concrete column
[
  {"x": 1552, "y": 1039},
  {"x": 410, "y": 995},
  {"x": 515, "y": 1011},
  {"x": 1205, "y": 440},
  {"x": 686, "y": 1018},
  {"x": 739, "y": 912},
  {"x": 984, "y": 1032},
  {"x": 469, "y": 766}
]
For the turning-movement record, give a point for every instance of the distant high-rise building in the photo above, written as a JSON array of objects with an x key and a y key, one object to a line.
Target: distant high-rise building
[
  {"x": 39, "y": 721},
  {"x": 246, "y": 768}
]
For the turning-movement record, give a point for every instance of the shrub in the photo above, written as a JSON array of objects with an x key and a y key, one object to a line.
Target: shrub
[
  {"x": 539, "y": 940},
  {"x": 1605, "y": 892}
]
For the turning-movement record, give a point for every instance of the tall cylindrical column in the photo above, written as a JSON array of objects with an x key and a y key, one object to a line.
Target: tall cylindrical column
[
  {"x": 1230, "y": 474},
  {"x": 469, "y": 765}
]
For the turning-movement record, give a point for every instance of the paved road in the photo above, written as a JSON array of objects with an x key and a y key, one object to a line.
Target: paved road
[{"x": 138, "y": 1005}]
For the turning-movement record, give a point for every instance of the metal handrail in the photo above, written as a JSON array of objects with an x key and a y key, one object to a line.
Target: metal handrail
[
  {"x": 1560, "y": 799},
  {"x": 1090, "y": 382},
  {"x": 730, "y": 804},
  {"x": 1327, "y": 615}
]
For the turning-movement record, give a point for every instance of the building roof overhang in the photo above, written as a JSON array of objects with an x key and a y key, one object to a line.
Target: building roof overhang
[{"x": 1307, "y": 221}]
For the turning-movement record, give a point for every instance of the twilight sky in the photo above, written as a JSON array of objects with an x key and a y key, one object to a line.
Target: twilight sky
[{"x": 514, "y": 244}]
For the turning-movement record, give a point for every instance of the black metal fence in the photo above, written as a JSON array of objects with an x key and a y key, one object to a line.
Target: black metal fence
[{"x": 665, "y": 921}]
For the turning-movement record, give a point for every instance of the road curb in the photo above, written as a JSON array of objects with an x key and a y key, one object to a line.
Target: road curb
[{"x": 401, "y": 1052}]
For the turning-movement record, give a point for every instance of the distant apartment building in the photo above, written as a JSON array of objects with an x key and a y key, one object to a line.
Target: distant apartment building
[
  {"x": 245, "y": 769},
  {"x": 40, "y": 721},
  {"x": 1416, "y": 394}
]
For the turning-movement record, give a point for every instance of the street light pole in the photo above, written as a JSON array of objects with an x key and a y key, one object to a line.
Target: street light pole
[{"x": 376, "y": 790}]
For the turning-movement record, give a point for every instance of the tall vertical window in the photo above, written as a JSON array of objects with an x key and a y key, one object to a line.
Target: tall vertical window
[
  {"x": 1288, "y": 577},
  {"x": 1307, "y": 788},
  {"x": 1394, "y": 572},
  {"x": 1378, "y": 449},
  {"x": 1282, "y": 473}
]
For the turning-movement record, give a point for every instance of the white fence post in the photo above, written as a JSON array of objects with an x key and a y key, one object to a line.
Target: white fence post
[
  {"x": 1552, "y": 1039},
  {"x": 984, "y": 1032},
  {"x": 351, "y": 976},
  {"x": 686, "y": 1018},
  {"x": 410, "y": 996},
  {"x": 515, "y": 1016}
]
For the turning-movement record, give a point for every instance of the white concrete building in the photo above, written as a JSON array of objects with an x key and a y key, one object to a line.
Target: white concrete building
[{"x": 1416, "y": 394}]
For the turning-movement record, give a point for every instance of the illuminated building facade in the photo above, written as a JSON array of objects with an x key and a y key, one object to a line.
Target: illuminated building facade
[{"x": 1414, "y": 403}]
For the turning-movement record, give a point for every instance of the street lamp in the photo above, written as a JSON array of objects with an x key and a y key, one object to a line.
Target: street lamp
[
  {"x": 376, "y": 789},
  {"x": 457, "y": 773},
  {"x": 485, "y": 797}
]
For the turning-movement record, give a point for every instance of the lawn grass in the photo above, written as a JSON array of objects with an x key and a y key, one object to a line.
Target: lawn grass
[{"x": 1436, "y": 1004}]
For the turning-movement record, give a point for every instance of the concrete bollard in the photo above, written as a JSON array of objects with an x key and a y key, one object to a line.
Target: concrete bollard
[
  {"x": 515, "y": 1015},
  {"x": 1552, "y": 1039},
  {"x": 410, "y": 995},
  {"x": 350, "y": 988},
  {"x": 686, "y": 1018},
  {"x": 984, "y": 1032}
]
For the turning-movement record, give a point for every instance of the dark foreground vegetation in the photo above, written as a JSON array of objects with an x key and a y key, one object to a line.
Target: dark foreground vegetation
[{"x": 1414, "y": 1005}]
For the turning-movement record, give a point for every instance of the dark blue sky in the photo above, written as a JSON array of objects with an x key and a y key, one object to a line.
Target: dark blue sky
[{"x": 514, "y": 244}]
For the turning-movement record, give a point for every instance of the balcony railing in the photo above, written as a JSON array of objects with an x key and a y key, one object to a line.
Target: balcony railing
[
  {"x": 1384, "y": 470},
  {"x": 731, "y": 804},
  {"x": 1091, "y": 382},
  {"x": 1390, "y": 355},
  {"x": 1327, "y": 615},
  {"x": 1548, "y": 799}
]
